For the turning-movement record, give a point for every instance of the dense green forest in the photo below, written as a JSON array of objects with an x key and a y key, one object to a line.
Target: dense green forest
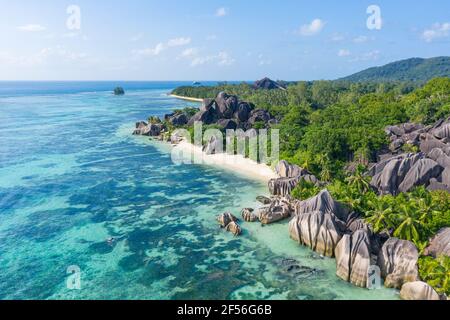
[{"x": 414, "y": 69}]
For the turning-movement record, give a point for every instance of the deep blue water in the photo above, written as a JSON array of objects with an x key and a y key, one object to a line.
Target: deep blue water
[{"x": 72, "y": 176}]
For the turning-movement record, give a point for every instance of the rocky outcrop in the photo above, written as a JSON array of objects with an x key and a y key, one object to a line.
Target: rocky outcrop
[
  {"x": 226, "y": 218},
  {"x": 243, "y": 111},
  {"x": 151, "y": 130},
  {"x": 213, "y": 146},
  {"x": 119, "y": 91},
  {"x": 290, "y": 177},
  {"x": 259, "y": 116},
  {"x": 418, "y": 291},
  {"x": 286, "y": 170},
  {"x": 267, "y": 84},
  {"x": 317, "y": 230},
  {"x": 353, "y": 257},
  {"x": 248, "y": 215},
  {"x": 206, "y": 117},
  {"x": 279, "y": 209},
  {"x": 323, "y": 202},
  {"x": 229, "y": 222},
  {"x": 420, "y": 174},
  {"x": 398, "y": 262},
  {"x": 178, "y": 119},
  {"x": 227, "y": 124},
  {"x": 440, "y": 244},
  {"x": 234, "y": 228},
  {"x": 401, "y": 172},
  {"x": 263, "y": 199},
  {"x": 226, "y": 105}
]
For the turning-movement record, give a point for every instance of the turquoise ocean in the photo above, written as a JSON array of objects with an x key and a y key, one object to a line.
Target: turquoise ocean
[{"x": 73, "y": 176}]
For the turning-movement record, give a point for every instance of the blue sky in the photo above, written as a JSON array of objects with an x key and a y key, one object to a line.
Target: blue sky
[{"x": 213, "y": 40}]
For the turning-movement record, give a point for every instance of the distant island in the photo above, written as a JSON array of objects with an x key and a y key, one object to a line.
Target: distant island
[{"x": 412, "y": 70}]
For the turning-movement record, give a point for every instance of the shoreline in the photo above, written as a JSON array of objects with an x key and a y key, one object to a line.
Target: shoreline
[
  {"x": 185, "y": 98},
  {"x": 185, "y": 151}
]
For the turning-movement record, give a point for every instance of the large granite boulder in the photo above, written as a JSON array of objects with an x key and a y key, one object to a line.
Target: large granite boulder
[
  {"x": 318, "y": 230},
  {"x": 353, "y": 257},
  {"x": 248, "y": 215},
  {"x": 323, "y": 202},
  {"x": 418, "y": 290},
  {"x": 279, "y": 209},
  {"x": 420, "y": 174},
  {"x": 440, "y": 157},
  {"x": 284, "y": 186},
  {"x": 226, "y": 105},
  {"x": 286, "y": 170},
  {"x": 227, "y": 124},
  {"x": 226, "y": 218},
  {"x": 178, "y": 119},
  {"x": 390, "y": 173},
  {"x": 442, "y": 132},
  {"x": 234, "y": 228},
  {"x": 398, "y": 262},
  {"x": 259, "y": 115},
  {"x": 206, "y": 117},
  {"x": 151, "y": 130},
  {"x": 243, "y": 111},
  {"x": 207, "y": 104},
  {"x": 440, "y": 244},
  {"x": 429, "y": 142}
]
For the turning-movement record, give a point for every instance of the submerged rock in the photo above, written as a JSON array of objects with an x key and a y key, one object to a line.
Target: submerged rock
[
  {"x": 398, "y": 262},
  {"x": 353, "y": 257},
  {"x": 440, "y": 244},
  {"x": 418, "y": 290}
]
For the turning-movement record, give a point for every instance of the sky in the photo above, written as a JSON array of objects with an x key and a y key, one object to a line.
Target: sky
[{"x": 214, "y": 40}]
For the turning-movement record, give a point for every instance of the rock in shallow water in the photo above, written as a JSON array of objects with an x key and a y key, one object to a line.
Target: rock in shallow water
[
  {"x": 279, "y": 209},
  {"x": 318, "y": 230},
  {"x": 418, "y": 291},
  {"x": 234, "y": 228},
  {"x": 353, "y": 257},
  {"x": 248, "y": 215},
  {"x": 226, "y": 218},
  {"x": 398, "y": 262}
]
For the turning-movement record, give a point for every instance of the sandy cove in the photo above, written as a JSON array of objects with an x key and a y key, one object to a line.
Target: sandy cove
[
  {"x": 186, "y": 98},
  {"x": 185, "y": 151}
]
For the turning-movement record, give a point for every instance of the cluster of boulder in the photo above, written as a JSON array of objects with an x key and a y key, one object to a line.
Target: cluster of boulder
[
  {"x": 228, "y": 112},
  {"x": 289, "y": 177},
  {"x": 331, "y": 229},
  {"x": 398, "y": 171},
  {"x": 229, "y": 222}
]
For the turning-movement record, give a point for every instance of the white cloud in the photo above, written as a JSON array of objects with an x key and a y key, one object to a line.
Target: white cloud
[
  {"x": 32, "y": 28},
  {"x": 178, "y": 42},
  {"x": 343, "y": 53},
  {"x": 222, "y": 58},
  {"x": 313, "y": 28},
  {"x": 160, "y": 47},
  {"x": 360, "y": 39},
  {"x": 221, "y": 12},
  {"x": 437, "y": 30},
  {"x": 189, "y": 52}
]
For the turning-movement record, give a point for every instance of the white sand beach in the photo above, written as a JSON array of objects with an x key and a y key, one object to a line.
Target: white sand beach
[
  {"x": 186, "y": 98},
  {"x": 190, "y": 153}
]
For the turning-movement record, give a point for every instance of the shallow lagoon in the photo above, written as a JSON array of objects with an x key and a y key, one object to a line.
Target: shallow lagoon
[{"x": 72, "y": 176}]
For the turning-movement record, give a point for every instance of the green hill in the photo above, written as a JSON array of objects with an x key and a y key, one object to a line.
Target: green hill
[{"x": 414, "y": 69}]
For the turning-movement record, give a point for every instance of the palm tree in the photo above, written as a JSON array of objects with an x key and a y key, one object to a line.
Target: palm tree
[
  {"x": 380, "y": 217},
  {"x": 359, "y": 181},
  {"x": 410, "y": 223}
]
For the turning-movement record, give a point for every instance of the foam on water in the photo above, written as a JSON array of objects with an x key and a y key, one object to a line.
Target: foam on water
[{"x": 79, "y": 178}]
